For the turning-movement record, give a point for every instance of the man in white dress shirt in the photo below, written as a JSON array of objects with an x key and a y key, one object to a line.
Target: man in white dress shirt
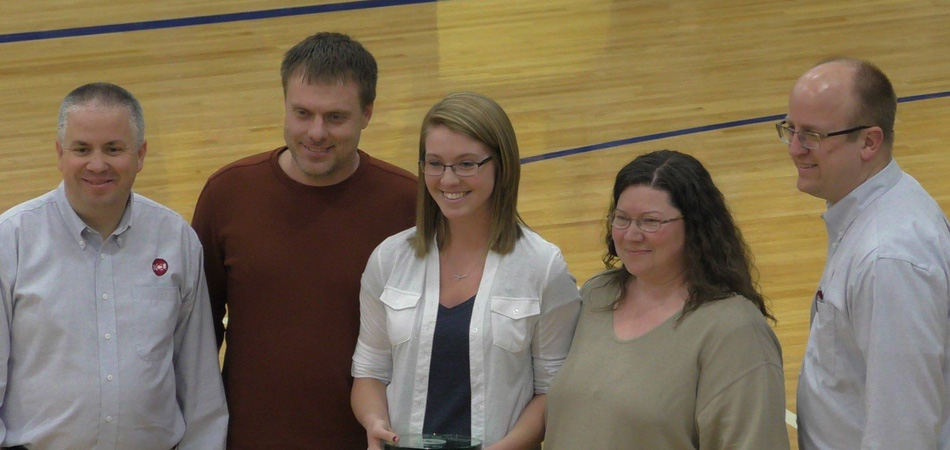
[
  {"x": 106, "y": 340},
  {"x": 875, "y": 374}
]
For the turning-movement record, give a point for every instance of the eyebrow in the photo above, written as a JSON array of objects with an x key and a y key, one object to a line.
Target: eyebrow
[
  {"x": 643, "y": 213},
  {"x": 462, "y": 157},
  {"x": 803, "y": 127},
  {"x": 84, "y": 143},
  {"x": 311, "y": 110}
]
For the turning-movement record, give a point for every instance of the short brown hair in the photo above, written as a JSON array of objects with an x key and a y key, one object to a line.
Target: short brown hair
[
  {"x": 876, "y": 101},
  {"x": 329, "y": 58},
  {"x": 479, "y": 118}
]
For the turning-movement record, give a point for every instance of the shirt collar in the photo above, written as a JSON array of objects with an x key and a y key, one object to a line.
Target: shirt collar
[
  {"x": 840, "y": 215},
  {"x": 75, "y": 224},
  {"x": 125, "y": 223}
]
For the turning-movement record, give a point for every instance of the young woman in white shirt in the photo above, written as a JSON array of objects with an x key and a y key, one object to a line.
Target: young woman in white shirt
[{"x": 469, "y": 294}]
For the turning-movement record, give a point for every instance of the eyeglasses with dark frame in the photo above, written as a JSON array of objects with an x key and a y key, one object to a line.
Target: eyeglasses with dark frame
[
  {"x": 809, "y": 139},
  {"x": 461, "y": 168},
  {"x": 646, "y": 225}
]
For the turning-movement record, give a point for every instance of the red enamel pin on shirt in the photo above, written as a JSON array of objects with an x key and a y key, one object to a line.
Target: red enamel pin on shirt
[{"x": 159, "y": 266}]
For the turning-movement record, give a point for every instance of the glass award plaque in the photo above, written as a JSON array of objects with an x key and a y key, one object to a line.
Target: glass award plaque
[{"x": 434, "y": 441}]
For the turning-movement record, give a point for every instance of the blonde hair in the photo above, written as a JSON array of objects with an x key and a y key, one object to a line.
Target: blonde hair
[{"x": 479, "y": 118}]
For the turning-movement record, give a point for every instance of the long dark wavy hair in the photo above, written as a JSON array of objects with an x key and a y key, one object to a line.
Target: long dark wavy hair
[{"x": 718, "y": 261}]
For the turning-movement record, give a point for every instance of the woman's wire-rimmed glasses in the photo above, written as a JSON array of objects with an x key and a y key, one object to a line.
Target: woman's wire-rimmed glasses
[{"x": 647, "y": 224}]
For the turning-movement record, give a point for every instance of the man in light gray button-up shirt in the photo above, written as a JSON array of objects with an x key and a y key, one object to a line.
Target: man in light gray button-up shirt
[
  {"x": 106, "y": 339},
  {"x": 876, "y": 373}
]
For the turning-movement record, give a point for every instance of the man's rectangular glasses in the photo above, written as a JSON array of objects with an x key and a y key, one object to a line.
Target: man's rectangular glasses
[{"x": 809, "y": 139}]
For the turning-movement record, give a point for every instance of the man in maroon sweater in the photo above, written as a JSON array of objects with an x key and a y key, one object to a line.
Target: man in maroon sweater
[{"x": 286, "y": 235}]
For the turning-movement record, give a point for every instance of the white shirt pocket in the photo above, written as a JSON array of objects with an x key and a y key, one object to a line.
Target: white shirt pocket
[
  {"x": 400, "y": 314},
  {"x": 824, "y": 330},
  {"x": 511, "y": 318},
  {"x": 156, "y": 314}
]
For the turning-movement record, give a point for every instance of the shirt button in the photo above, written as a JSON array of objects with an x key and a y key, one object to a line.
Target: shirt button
[
  {"x": 110, "y": 377},
  {"x": 105, "y": 296},
  {"x": 119, "y": 240},
  {"x": 109, "y": 419},
  {"x": 517, "y": 311},
  {"x": 474, "y": 330},
  {"x": 108, "y": 336}
]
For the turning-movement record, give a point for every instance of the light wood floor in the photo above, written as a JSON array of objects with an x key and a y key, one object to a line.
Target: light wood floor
[{"x": 571, "y": 73}]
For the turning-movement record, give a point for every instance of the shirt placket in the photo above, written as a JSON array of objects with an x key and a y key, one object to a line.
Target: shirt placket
[{"x": 108, "y": 344}]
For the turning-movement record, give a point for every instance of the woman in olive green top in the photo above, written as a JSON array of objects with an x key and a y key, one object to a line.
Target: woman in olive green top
[{"x": 672, "y": 350}]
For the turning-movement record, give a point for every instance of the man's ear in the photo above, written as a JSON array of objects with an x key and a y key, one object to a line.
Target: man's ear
[
  {"x": 367, "y": 114},
  {"x": 141, "y": 157},
  {"x": 59, "y": 155},
  {"x": 873, "y": 143}
]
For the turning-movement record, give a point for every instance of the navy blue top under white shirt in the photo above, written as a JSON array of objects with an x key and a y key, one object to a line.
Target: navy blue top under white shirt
[{"x": 449, "y": 401}]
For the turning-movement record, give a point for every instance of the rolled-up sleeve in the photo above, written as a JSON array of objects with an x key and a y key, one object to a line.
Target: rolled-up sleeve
[
  {"x": 552, "y": 336},
  {"x": 373, "y": 355}
]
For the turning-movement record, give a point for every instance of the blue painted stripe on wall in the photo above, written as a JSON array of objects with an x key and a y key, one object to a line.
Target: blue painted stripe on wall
[
  {"x": 914, "y": 98},
  {"x": 204, "y": 20},
  {"x": 651, "y": 137},
  {"x": 694, "y": 130}
]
